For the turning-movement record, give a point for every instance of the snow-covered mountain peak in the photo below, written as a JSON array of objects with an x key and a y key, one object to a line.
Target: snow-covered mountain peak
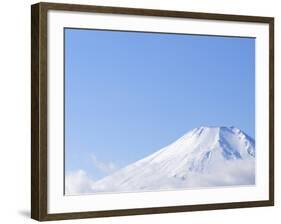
[
  {"x": 206, "y": 138},
  {"x": 215, "y": 129},
  {"x": 199, "y": 152}
]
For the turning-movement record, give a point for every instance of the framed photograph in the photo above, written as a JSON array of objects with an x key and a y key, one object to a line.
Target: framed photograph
[{"x": 143, "y": 111}]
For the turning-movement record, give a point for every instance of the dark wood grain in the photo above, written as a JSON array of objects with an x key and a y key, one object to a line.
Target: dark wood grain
[
  {"x": 156, "y": 210},
  {"x": 38, "y": 112},
  {"x": 271, "y": 111},
  {"x": 35, "y": 192},
  {"x": 154, "y": 12},
  {"x": 39, "y": 203}
]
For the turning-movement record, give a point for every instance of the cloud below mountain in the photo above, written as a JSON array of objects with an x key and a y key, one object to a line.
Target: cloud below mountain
[
  {"x": 104, "y": 167},
  {"x": 78, "y": 182}
]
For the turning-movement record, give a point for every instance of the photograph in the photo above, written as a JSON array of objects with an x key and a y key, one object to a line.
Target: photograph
[
  {"x": 141, "y": 111},
  {"x": 152, "y": 111}
]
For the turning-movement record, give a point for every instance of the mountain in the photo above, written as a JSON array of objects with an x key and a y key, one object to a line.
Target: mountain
[{"x": 204, "y": 157}]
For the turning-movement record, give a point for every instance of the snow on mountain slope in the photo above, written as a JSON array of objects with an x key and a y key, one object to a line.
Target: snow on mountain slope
[{"x": 204, "y": 157}]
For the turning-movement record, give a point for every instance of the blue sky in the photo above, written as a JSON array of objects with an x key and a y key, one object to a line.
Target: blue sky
[{"x": 127, "y": 94}]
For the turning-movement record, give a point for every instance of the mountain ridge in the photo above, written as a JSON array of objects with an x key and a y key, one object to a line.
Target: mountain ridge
[{"x": 196, "y": 159}]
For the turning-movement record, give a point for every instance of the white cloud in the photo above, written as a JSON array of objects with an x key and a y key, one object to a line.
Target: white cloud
[
  {"x": 104, "y": 167},
  {"x": 77, "y": 182},
  {"x": 227, "y": 173},
  {"x": 224, "y": 173}
]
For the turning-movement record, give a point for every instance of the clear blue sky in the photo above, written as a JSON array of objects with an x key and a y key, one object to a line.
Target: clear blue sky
[{"x": 127, "y": 94}]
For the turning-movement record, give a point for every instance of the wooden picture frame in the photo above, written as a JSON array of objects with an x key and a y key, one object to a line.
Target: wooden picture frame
[{"x": 40, "y": 103}]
